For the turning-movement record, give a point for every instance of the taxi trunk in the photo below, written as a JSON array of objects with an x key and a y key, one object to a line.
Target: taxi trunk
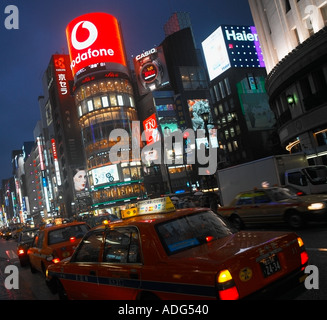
[
  {"x": 63, "y": 250},
  {"x": 273, "y": 267}
]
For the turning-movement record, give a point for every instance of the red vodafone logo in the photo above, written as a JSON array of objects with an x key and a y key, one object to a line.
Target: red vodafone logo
[{"x": 94, "y": 38}]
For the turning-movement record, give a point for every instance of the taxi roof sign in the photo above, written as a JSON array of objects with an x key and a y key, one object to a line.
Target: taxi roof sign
[
  {"x": 158, "y": 205},
  {"x": 150, "y": 206}
]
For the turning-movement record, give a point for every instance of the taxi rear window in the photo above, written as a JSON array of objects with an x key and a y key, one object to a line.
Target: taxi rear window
[
  {"x": 190, "y": 231},
  {"x": 64, "y": 234}
]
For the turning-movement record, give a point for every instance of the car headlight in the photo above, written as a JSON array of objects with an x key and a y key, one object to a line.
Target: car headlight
[{"x": 316, "y": 206}]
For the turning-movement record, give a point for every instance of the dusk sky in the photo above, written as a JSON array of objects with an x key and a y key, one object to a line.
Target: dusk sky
[{"x": 26, "y": 52}]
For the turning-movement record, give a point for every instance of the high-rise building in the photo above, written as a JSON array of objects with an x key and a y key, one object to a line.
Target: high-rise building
[
  {"x": 178, "y": 21},
  {"x": 106, "y": 110},
  {"x": 59, "y": 141},
  {"x": 174, "y": 96},
  {"x": 236, "y": 69},
  {"x": 293, "y": 36}
]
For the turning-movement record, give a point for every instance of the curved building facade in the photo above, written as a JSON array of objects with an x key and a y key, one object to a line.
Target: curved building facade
[
  {"x": 105, "y": 101},
  {"x": 294, "y": 46}
]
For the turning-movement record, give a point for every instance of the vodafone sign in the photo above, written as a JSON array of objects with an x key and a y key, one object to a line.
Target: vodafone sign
[{"x": 94, "y": 38}]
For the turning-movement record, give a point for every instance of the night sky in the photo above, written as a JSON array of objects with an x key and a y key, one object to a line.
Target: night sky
[{"x": 25, "y": 53}]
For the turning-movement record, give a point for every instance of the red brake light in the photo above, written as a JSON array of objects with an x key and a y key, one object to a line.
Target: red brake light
[
  {"x": 72, "y": 239},
  {"x": 210, "y": 238},
  {"x": 229, "y": 294},
  {"x": 226, "y": 286},
  {"x": 304, "y": 258},
  {"x": 55, "y": 260},
  {"x": 21, "y": 251}
]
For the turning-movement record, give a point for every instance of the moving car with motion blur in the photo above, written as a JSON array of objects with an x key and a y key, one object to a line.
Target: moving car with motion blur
[
  {"x": 24, "y": 241},
  {"x": 52, "y": 244},
  {"x": 157, "y": 252},
  {"x": 274, "y": 206}
]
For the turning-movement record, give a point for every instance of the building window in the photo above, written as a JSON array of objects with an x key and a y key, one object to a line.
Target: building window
[
  {"x": 90, "y": 105},
  {"x": 105, "y": 101}
]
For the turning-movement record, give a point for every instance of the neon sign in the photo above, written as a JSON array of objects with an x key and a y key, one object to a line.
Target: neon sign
[{"x": 94, "y": 38}]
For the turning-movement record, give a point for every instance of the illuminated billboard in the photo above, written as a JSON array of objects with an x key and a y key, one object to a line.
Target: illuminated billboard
[
  {"x": 63, "y": 75},
  {"x": 105, "y": 175},
  {"x": 94, "y": 39},
  {"x": 151, "y": 70},
  {"x": 255, "y": 103},
  {"x": 232, "y": 46},
  {"x": 150, "y": 126},
  {"x": 197, "y": 108}
]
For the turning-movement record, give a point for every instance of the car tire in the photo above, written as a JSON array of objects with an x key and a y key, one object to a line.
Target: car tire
[
  {"x": 237, "y": 222},
  {"x": 295, "y": 220}
]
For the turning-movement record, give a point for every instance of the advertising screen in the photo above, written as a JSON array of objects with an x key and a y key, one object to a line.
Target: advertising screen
[
  {"x": 105, "y": 175},
  {"x": 150, "y": 126},
  {"x": 215, "y": 54},
  {"x": 197, "y": 108},
  {"x": 232, "y": 46},
  {"x": 151, "y": 70},
  {"x": 94, "y": 38},
  {"x": 255, "y": 103},
  {"x": 63, "y": 75}
]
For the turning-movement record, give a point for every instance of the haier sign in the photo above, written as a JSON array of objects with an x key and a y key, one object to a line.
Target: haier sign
[{"x": 232, "y": 46}]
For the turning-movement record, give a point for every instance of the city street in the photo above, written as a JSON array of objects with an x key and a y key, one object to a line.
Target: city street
[{"x": 33, "y": 287}]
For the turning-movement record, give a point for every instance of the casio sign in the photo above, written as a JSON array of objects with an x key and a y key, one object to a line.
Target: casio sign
[
  {"x": 145, "y": 54},
  {"x": 241, "y": 36}
]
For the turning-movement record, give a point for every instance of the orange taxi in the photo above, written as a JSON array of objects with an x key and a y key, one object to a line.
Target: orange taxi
[
  {"x": 52, "y": 244},
  {"x": 180, "y": 254}
]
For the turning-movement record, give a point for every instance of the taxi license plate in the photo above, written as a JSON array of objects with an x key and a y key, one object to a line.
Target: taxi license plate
[{"x": 270, "y": 265}]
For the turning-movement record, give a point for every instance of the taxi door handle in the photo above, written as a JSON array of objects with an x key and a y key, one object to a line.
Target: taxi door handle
[{"x": 92, "y": 273}]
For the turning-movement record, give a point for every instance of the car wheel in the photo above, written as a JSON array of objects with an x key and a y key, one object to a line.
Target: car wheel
[
  {"x": 295, "y": 220},
  {"x": 237, "y": 222}
]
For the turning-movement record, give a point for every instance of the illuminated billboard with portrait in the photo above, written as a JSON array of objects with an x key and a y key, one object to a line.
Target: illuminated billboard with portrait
[{"x": 80, "y": 179}]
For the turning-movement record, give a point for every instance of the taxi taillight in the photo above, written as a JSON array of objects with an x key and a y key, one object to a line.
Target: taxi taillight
[
  {"x": 304, "y": 254},
  {"x": 226, "y": 286}
]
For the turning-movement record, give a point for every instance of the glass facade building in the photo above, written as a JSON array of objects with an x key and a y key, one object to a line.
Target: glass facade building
[{"x": 103, "y": 106}]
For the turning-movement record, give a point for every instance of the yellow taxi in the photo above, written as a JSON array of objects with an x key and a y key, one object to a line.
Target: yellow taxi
[
  {"x": 158, "y": 252},
  {"x": 52, "y": 244},
  {"x": 275, "y": 205}
]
